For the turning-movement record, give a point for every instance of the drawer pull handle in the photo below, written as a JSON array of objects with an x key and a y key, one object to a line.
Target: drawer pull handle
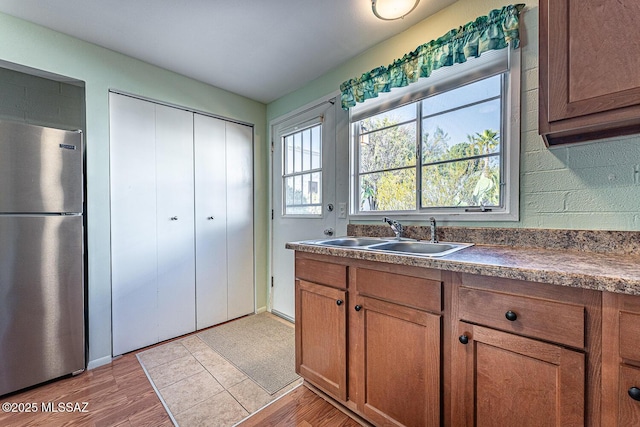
[
  {"x": 358, "y": 307},
  {"x": 634, "y": 393},
  {"x": 511, "y": 316},
  {"x": 339, "y": 302},
  {"x": 463, "y": 339}
]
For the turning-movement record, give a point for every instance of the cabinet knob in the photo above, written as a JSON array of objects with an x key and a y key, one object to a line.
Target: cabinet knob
[
  {"x": 174, "y": 218},
  {"x": 634, "y": 393},
  {"x": 358, "y": 307},
  {"x": 339, "y": 302},
  {"x": 463, "y": 339},
  {"x": 211, "y": 218},
  {"x": 511, "y": 316}
]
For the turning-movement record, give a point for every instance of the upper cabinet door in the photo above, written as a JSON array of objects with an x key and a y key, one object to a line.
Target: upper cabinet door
[
  {"x": 589, "y": 54},
  {"x": 134, "y": 258},
  {"x": 210, "y": 220},
  {"x": 175, "y": 190}
]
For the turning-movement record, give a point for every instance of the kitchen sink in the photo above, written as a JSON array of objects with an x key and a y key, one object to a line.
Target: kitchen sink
[
  {"x": 420, "y": 248},
  {"x": 404, "y": 246},
  {"x": 351, "y": 241}
]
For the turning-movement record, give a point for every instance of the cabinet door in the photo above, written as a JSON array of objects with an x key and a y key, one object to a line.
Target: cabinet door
[
  {"x": 134, "y": 265},
  {"x": 400, "y": 364},
  {"x": 501, "y": 379},
  {"x": 587, "y": 49},
  {"x": 321, "y": 336},
  {"x": 629, "y": 406},
  {"x": 240, "y": 220},
  {"x": 176, "y": 257},
  {"x": 210, "y": 220}
]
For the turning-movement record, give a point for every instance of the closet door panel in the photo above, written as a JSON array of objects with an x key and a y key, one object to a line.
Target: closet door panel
[
  {"x": 240, "y": 219},
  {"x": 210, "y": 221},
  {"x": 175, "y": 192},
  {"x": 133, "y": 223}
]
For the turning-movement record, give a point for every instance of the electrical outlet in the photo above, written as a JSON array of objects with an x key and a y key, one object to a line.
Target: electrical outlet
[{"x": 342, "y": 210}]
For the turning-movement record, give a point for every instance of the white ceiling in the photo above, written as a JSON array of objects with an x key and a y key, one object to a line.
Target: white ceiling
[{"x": 261, "y": 49}]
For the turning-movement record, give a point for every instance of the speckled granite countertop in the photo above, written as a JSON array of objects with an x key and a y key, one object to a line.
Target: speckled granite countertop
[{"x": 565, "y": 265}]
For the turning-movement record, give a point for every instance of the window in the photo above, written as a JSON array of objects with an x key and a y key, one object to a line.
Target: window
[
  {"x": 302, "y": 174},
  {"x": 447, "y": 145}
]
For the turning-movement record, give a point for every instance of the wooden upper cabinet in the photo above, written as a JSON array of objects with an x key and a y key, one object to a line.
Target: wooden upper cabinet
[{"x": 589, "y": 62}]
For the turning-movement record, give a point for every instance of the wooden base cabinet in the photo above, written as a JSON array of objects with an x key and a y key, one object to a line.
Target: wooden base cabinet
[
  {"x": 621, "y": 360},
  {"x": 525, "y": 354},
  {"x": 503, "y": 379},
  {"x": 321, "y": 351},
  {"x": 371, "y": 341},
  {"x": 399, "y": 363}
]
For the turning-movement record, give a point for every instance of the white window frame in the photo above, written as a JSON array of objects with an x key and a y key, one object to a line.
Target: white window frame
[{"x": 442, "y": 80}]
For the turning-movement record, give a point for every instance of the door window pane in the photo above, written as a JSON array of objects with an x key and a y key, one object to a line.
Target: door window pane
[{"x": 302, "y": 177}]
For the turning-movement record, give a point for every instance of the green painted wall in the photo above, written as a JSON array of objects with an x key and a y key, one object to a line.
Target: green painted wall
[
  {"x": 589, "y": 186},
  {"x": 34, "y": 46}
]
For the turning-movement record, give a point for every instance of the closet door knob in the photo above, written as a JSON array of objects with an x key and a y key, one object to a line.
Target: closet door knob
[
  {"x": 358, "y": 307},
  {"x": 339, "y": 302},
  {"x": 511, "y": 316},
  {"x": 211, "y": 218},
  {"x": 463, "y": 339},
  {"x": 174, "y": 218},
  {"x": 634, "y": 393}
]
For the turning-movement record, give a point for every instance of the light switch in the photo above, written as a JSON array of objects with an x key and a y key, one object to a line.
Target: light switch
[{"x": 342, "y": 210}]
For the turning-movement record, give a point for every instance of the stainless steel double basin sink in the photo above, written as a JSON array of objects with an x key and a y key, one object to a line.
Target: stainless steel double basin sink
[{"x": 402, "y": 246}]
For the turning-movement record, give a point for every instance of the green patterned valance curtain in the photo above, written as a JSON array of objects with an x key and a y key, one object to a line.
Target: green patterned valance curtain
[{"x": 492, "y": 32}]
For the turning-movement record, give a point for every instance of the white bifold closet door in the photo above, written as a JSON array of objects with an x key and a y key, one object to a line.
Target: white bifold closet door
[
  {"x": 211, "y": 220},
  {"x": 224, "y": 220},
  {"x": 174, "y": 194},
  {"x": 152, "y": 241},
  {"x": 240, "y": 237}
]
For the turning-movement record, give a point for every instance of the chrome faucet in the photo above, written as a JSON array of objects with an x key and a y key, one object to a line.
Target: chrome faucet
[
  {"x": 434, "y": 237},
  {"x": 395, "y": 226}
]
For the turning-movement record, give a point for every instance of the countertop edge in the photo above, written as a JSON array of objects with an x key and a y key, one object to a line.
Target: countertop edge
[{"x": 572, "y": 269}]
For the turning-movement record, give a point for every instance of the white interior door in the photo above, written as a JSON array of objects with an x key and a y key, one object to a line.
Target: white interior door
[
  {"x": 240, "y": 265},
  {"x": 176, "y": 254},
  {"x": 134, "y": 260},
  {"x": 210, "y": 220},
  {"x": 304, "y": 193}
]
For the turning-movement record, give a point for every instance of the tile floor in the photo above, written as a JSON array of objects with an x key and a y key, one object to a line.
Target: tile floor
[{"x": 200, "y": 387}]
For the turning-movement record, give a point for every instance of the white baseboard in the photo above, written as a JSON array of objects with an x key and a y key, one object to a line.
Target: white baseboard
[
  {"x": 261, "y": 310},
  {"x": 99, "y": 362}
]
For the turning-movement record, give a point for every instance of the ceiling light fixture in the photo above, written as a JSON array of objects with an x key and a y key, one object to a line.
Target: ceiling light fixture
[{"x": 390, "y": 10}]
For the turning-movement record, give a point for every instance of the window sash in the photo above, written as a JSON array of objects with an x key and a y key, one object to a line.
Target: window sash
[{"x": 495, "y": 62}]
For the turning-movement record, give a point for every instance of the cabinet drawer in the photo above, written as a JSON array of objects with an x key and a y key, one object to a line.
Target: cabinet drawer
[
  {"x": 563, "y": 323},
  {"x": 407, "y": 290},
  {"x": 630, "y": 335},
  {"x": 322, "y": 272},
  {"x": 629, "y": 409}
]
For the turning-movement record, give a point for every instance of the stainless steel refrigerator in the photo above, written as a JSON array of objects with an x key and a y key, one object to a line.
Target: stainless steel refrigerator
[{"x": 42, "y": 320}]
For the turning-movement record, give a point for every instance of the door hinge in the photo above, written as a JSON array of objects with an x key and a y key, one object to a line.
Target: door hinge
[
  {"x": 272, "y": 146},
  {"x": 272, "y": 281},
  {"x": 272, "y": 214}
]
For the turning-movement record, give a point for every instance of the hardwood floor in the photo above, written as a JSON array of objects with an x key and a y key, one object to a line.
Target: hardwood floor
[
  {"x": 118, "y": 394},
  {"x": 300, "y": 408}
]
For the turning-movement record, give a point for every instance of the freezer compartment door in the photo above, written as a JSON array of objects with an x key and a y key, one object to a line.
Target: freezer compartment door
[
  {"x": 40, "y": 169},
  {"x": 41, "y": 299}
]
